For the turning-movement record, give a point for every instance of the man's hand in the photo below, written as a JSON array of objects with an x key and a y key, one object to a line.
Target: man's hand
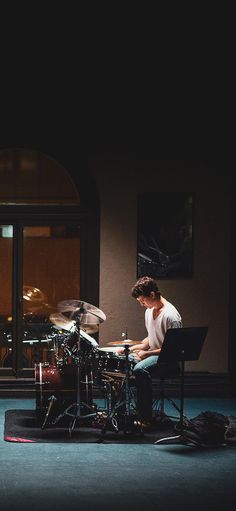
[
  {"x": 120, "y": 351},
  {"x": 142, "y": 354}
]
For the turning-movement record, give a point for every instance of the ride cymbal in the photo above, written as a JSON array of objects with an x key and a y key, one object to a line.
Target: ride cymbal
[{"x": 123, "y": 343}]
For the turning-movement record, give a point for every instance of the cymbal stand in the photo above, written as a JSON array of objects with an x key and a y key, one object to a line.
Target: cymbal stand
[
  {"x": 55, "y": 349},
  {"x": 127, "y": 393},
  {"x": 127, "y": 389},
  {"x": 77, "y": 405}
]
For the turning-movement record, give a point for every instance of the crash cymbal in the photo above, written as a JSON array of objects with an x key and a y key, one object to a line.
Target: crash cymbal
[
  {"x": 61, "y": 322},
  {"x": 86, "y": 313},
  {"x": 89, "y": 329},
  {"x": 123, "y": 343}
]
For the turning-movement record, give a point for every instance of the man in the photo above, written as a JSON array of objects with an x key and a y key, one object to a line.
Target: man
[{"x": 160, "y": 315}]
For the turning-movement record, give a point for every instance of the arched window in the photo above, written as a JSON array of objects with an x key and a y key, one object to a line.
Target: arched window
[{"x": 31, "y": 177}]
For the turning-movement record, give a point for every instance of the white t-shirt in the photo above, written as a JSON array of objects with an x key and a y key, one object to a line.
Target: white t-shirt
[{"x": 169, "y": 317}]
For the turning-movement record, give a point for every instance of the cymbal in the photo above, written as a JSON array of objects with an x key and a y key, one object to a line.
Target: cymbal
[
  {"x": 123, "y": 343},
  {"x": 33, "y": 294},
  {"x": 89, "y": 329},
  {"x": 86, "y": 313},
  {"x": 62, "y": 322}
]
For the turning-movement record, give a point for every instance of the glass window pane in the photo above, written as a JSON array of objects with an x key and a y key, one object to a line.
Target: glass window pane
[
  {"x": 51, "y": 273},
  {"x": 6, "y": 258}
]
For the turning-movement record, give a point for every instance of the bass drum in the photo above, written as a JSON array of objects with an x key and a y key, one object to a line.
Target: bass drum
[{"x": 56, "y": 389}]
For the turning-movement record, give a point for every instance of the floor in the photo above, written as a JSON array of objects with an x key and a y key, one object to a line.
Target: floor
[{"x": 106, "y": 476}]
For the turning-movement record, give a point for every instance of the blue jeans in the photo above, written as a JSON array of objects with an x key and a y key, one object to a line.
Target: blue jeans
[{"x": 143, "y": 372}]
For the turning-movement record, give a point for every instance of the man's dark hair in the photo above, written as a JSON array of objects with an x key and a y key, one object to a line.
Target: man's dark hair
[{"x": 144, "y": 286}]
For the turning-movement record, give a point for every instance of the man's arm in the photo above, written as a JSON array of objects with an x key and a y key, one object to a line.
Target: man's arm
[
  {"x": 143, "y": 345},
  {"x": 141, "y": 354}
]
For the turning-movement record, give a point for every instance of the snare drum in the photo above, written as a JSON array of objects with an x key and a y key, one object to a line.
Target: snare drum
[{"x": 111, "y": 361}]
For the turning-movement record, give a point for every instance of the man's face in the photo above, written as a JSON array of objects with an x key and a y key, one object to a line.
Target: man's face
[{"x": 146, "y": 301}]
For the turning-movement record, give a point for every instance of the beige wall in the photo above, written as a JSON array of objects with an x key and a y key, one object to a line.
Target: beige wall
[{"x": 201, "y": 300}]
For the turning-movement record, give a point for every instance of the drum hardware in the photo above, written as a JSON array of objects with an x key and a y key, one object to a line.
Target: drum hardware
[
  {"x": 68, "y": 327},
  {"x": 74, "y": 397},
  {"x": 56, "y": 391},
  {"x": 112, "y": 388},
  {"x": 81, "y": 315},
  {"x": 51, "y": 400},
  {"x": 100, "y": 419},
  {"x": 55, "y": 349},
  {"x": 108, "y": 387},
  {"x": 61, "y": 322},
  {"x": 92, "y": 412},
  {"x": 115, "y": 375},
  {"x": 125, "y": 333},
  {"x": 33, "y": 341},
  {"x": 124, "y": 390}
]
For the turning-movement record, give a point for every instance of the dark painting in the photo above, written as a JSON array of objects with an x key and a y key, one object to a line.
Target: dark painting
[{"x": 165, "y": 241}]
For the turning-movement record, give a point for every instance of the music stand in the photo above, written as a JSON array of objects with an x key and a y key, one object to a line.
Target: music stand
[{"x": 181, "y": 345}]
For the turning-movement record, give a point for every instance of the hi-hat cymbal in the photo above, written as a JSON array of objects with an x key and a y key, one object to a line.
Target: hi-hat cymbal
[
  {"x": 83, "y": 312},
  {"x": 123, "y": 343},
  {"x": 61, "y": 322}
]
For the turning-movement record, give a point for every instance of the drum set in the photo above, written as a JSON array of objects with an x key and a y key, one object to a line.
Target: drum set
[{"x": 65, "y": 388}]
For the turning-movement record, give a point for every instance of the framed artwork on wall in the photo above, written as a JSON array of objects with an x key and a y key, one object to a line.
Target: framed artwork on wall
[{"x": 165, "y": 235}]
